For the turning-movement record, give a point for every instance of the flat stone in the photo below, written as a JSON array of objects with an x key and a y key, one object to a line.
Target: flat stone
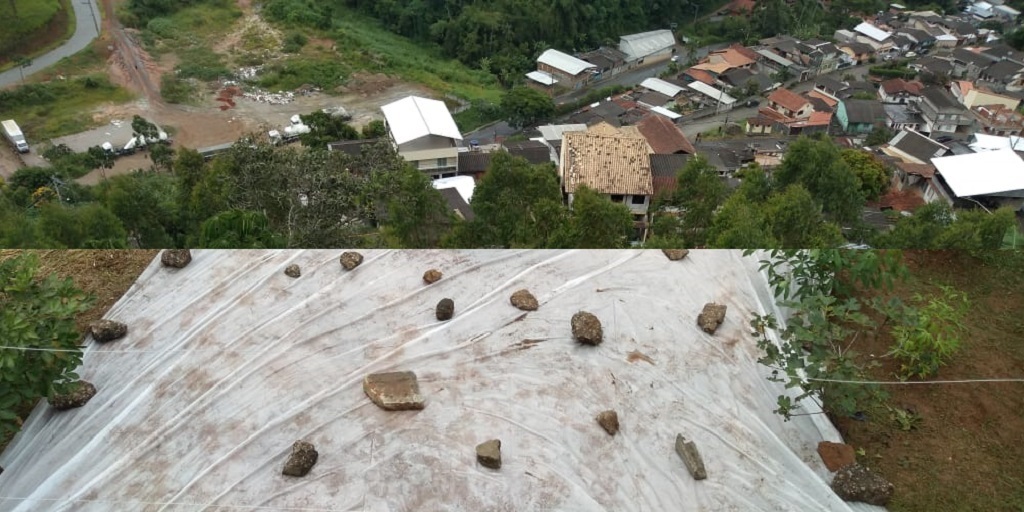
[
  {"x": 107, "y": 330},
  {"x": 488, "y": 454},
  {"x": 351, "y": 260},
  {"x": 176, "y": 258},
  {"x": 691, "y": 457},
  {"x": 836, "y": 455},
  {"x": 675, "y": 254},
  {"x": 432, "y": 276},
  {"x": 858, "y": 483},
  {"x": 586, "y": 328},
  {"x": 302, "y": 459},
  {"x": 445, "y": 309},
  {"x": 711, "y": 317},
  {"x": 609, "y": 421},
  {"x": 524, "y": 300},
  {"x": 394, "y": 391},
  {"x": 77, "y": 397},
  {"x": 293, "y": 270}
]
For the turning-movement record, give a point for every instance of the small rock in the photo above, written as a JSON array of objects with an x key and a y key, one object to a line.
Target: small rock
[
  {"x": 524, "y": 300},
  {"x": 711, "y": 317},
  {"x": 836, "y": 455},
  {"x": 675, "y": 254},
  {"x": 394, "y": 391},
  {"x": 445, "y": 309},
  {"x": 691, "y": 457},
  {"x": 293, "y": 270},
  {"x": 77, "y": 397},
  {"x": 351, "y": 260},
  {"x": 586, "y": 328},
  {"x": 107, "y": 330},
  {"x": 176, "y": 258},
  {"x": 302, "y": 459},
  {"x": 432, "y": 276},
  {"x": 609, "y": 421},
  {"x": 858, "y": 483},
  {"x": 488, "y": 454}
]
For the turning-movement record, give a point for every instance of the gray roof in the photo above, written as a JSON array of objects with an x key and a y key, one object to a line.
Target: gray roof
[
  {"x": 864, "y": 111},
  {"x": 830, "y": 84},
  {"x": 918, "y": 146},
  {"x": 919, "y": 35},
  {"x": 1003, "y": 70},
  {"x": 859, "y": 48},
  {"x": 654, "y": 99},
  {"x": 902, "y": 114},
  {"x": 939, "y": 97},
  {"x": 1000, "y": 51},
  {"x": 978, "y": 59},
  {"x": 934, "y": 65},
  {"x": 668, "y": 166},
  {"x": 533, "y": 151},
  {"x": 457, "y": 203},
  {"x": 351, "y": 147},
  {"x": 473, "y": 162}
]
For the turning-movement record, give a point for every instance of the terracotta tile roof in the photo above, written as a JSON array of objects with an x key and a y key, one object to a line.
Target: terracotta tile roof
[
  {"x": 744, "y": 51},
  {"x": 898, "y": 85},
  {"x": 700, "y": 75},
  {"x": 787, "y": 99},
  {"x": 611, "y": 163},
  {"x": 735, "y": 57},
  {"x": 664, "y": 136},
  {"x": 815, "y": 119},
  {"x": 923, "y": 170}
]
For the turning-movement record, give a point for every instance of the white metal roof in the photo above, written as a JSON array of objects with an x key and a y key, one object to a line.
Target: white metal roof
[
  {"x": 774, "y": 57},
  {"x": 716, "y": 94},
  {"x": 555, "y": 131},
  {"x": 984, "y": 142},
  {"x": 564, "y": 62},
  {"x": 665, "y": 112},
  {"x": 412, "y": 117},
  {"x": 637, "y": 46},
  {"x": 872, "y": 31},
  {"x": 463, "y": 184},
  {"x": 658, "y": 85},
  {"x": 542, "y": 77},
  {"x": 980, "y": 174},
  {"x": 1007, "y": 9},
  {"x": 945, "y": 37}
]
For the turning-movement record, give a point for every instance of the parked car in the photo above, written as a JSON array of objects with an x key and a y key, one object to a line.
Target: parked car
[
  {"x": 944, "y": 139},
  {"x": 752, "y": 103}
]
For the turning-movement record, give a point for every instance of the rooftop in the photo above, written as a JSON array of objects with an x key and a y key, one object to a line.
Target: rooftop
[
  {"x": 610, "y": 164},
  {"x": 640, "y": 45},
  {"x": 664, "y": 136},
  {"x": 564, "y": 62},
  {"x": 919, "y": 148},
  {"x": 939, "y": 97},
  {"x": 872, "y": 31},
  {"x": 980, "y": 174},
  {"x": 412, "y": 117},
  {"x": 788, "y": 99},
  {"x": 864, "y": 111}
]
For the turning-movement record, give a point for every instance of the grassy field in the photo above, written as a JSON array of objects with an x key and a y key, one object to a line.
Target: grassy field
[
  {"x": 40, "y": 26},
  {"x": 60, "y": 107},
  {"x": 965, "y": 453}
]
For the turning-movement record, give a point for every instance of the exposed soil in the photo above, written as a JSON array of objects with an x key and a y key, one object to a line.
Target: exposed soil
[
  {"x": 9, "y": 161},
  {"x": 966, "y": 452}
]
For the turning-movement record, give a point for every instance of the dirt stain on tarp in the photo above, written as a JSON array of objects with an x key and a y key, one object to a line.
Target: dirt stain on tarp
[{"x": 636, "y": 355}]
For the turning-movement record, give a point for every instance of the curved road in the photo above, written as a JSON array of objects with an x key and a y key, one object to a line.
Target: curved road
[{"x": 85, "y": 32}]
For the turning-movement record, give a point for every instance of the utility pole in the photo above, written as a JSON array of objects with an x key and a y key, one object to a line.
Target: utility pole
[{"x": 93, "y": 13}]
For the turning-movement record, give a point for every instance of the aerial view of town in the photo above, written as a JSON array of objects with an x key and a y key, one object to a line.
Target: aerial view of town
[{"x": 511, "y": 255}]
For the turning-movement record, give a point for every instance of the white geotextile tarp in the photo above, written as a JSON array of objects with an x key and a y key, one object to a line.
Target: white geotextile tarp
[{"x": 228, "y": 362}]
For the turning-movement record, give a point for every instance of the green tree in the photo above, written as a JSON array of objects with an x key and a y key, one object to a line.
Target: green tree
[
  {"x": 878, "y": 136},
  {"x": 666, "y": 232},
  {"x": 238, "y": 229},
  {"x": 796, "y": 220},
  {"x": 524, "y": 106},
  {"x": 516, "y": 205},
  {"x": 36, "y": 313},
  {"x": 741, "y": 223},
  {"x": 418, "y": 216},
  {"x": 88, "y": 226},
  {"x": 595, "y": 223},
  {"x": 325, "y": 129},
  {"x": 162, "y": 157},
  {"x": 141, "y": 126},
  {"x": 374, "y": 129},
  {"x": 699, "y": 193},
  {"x": 873, "y": 175},
  {"x": 819, "y": 167}
]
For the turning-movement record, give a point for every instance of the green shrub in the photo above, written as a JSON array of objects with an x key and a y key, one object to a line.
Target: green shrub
[
  {"x": 162, "y": 27},
  {"x": 296, "y": 72},
  {"x": 176, "y": 90},
  {"x": 930, "y": 334}
]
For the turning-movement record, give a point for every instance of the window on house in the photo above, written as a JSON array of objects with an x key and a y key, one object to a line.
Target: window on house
[
  {"x": 638, "y": 199},
  {"x": 442, "y": 162},
  {"x": 617, "y": 198}
]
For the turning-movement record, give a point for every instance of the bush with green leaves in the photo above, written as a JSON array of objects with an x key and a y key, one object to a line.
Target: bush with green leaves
[
  {"x": 930, "y": 334},
  {"x": 816, "y": 345},
  {"x": 36, "y": 313}
]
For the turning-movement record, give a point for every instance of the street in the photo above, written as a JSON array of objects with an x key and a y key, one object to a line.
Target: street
[{"x": 86, "y": 14}]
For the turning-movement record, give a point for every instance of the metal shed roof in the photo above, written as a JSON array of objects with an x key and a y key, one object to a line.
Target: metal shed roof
[
  {"x": 980, "y": 174},
  {"x": 412, "y": 117},
  {"x": 872, "y": 31},
  {"x": 542, "y": 78},
  {"x": 659, "y": 85},
  {"x": 715, "y": 94},
  {"x": 564, "y": 62},
  {"x": 637, "y": 46}
]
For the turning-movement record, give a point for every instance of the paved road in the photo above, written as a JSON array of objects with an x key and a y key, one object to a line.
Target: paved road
[
  {"x": 85, "y": 32},
  {"x": 487, "y": 134}
]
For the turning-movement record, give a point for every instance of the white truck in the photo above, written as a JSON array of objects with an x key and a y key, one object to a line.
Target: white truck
[
  {"x": 14, "y": 136},
  {"x": 289, "y": 133}
]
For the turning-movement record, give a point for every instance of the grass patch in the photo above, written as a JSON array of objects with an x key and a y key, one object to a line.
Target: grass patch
[
  {"x": 62, "y": 107},
  {"x": 965, "y": 452},
  {"x": 324, "y": 72},
  {"x": 93, "y": 59},
  {"x": 32, "y": 15},
  {"x": 480, "y": 113},
  {"x": 190, "y": 29},
  {"x": 41, "y": 39},
  {"x": 178, "y": 90},
  {"x": 365, "y": 44}
]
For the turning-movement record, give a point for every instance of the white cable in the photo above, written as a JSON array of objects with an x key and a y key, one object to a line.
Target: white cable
[{"x": 965, "y": 381}]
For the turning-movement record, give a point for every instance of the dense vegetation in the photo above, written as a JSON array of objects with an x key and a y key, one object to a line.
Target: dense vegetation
[{"x": 25, "y": 17}]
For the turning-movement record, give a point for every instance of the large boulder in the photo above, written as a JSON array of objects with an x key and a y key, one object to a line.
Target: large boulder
[
  {"x": 302, "y": 459},
  {"x": 107, "y": 330},
  {"x": 293, "y": 271},
  {"x": 858, "y": 483},
  {"x": 488, "y": 454},
  {"x": 351, "y": 260},
  {"x": 445, "y": 309},
  {"x": 675, "y": 254},
  {"x": 687, "y": 450},
  {"x": 609, "y": 421},
  {"x": 586, "y": 328},
  {"x": 394, "y": 391},
  {"x": 711, "y": 317},
  {"x": 432, "y": 276},
  {"x": 524, "y": 300},
  {"x": 176, "y": 258},
  {"x": 836, "y": 455},
  {"x": 79, "y": 394}
]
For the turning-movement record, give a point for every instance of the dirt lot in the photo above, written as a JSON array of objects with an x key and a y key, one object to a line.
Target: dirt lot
[{"x": 966, "y": 453}]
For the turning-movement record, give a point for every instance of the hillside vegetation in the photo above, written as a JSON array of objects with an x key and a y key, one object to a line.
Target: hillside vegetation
[{"x": 23, "y": 20}]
